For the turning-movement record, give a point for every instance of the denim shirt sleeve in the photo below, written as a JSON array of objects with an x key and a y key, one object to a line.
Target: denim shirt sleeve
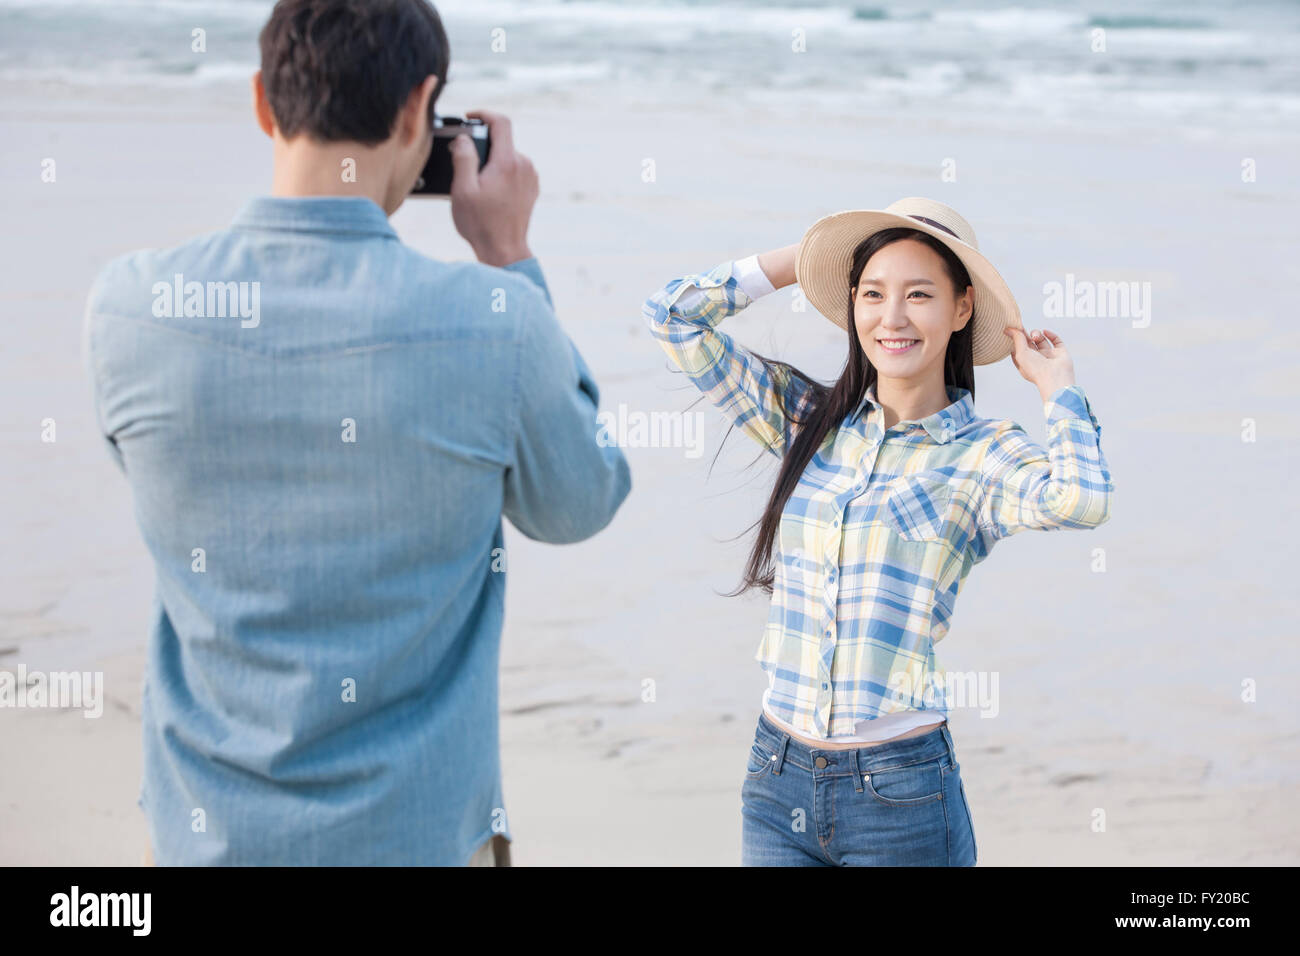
[
  {"x": 532, "y": 269},
  {"x": 1066, "y": 486},
  {"x": 564, "y": 483},
  {"x": 683, "y": 316},
  {"x": 90, "y": 366}
]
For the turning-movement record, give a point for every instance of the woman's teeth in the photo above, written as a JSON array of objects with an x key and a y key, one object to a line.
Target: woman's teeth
[{"x": 897, "y": 345}]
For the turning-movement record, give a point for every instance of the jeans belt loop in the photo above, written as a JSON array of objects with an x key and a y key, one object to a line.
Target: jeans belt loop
[
  {"x": 952, "y": 750},
  {"x": 780, "y": 754},
  {"x": 857, "y": 770}
]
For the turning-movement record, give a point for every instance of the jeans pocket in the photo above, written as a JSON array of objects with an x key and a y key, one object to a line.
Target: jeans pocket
[
  {"x": 760, "y": 761},
  {"x": 910, "y": 786}
]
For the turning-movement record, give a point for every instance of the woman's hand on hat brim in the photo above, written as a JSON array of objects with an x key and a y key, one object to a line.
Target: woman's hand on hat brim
[{"x": 1041, "y": 358}]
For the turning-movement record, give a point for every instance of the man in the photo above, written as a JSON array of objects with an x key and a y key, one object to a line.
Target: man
[{"x": 322, "y": 430}]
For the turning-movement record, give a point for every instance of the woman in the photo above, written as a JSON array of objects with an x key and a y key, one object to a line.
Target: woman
[{"x": 890, "y": 489}]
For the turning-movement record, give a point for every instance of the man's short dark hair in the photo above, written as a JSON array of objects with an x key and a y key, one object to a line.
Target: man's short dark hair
[{"x": 343, "y": 69}]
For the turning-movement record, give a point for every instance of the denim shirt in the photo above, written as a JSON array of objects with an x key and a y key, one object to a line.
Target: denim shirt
[{"x": 322, "y": 429}]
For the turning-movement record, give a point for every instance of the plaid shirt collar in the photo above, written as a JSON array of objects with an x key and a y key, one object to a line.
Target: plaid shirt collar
[{"x": 943, "y": 425}]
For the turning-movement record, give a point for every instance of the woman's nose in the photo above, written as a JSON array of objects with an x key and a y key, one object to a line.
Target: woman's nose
[{"x": 895, "y": 316}]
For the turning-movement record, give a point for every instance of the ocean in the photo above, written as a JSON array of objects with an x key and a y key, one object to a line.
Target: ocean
[{"x": 1106, "y": 61}]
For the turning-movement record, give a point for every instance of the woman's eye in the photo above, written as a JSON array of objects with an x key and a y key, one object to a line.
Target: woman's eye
[{"x": 873, "y": 294}]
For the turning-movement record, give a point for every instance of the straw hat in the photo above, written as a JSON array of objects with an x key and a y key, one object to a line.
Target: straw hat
[{"x": 826, "y": 253}]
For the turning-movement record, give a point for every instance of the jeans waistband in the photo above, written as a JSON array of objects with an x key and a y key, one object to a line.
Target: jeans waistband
[{"x": 883, "y": 756}]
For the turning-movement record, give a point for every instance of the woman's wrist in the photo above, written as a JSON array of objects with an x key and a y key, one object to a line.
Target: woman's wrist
[
  {"x": 1049, "y": 388},
  {"x": 778, "y": 265}
]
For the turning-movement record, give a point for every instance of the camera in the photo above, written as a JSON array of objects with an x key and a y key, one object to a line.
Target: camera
[{"x": 435, "y": 179}]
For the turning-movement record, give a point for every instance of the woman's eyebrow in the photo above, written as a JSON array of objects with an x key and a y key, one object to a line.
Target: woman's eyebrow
[{"x": 907, "y": 282}]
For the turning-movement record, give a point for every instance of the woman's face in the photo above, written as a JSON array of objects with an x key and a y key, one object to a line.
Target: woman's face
[{"x": 905, "y": 311}]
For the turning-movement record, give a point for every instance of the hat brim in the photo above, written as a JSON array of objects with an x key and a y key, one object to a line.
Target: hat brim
[{"x": 825, "y": 256}]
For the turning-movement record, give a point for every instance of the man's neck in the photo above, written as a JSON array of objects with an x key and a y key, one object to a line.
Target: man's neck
[{"x": 306, "y": 168}]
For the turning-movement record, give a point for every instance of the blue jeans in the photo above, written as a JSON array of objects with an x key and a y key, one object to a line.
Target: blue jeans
[{"x": 899, "y": 803}]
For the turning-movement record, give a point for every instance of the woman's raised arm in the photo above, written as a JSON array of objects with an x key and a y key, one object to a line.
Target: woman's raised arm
[
  {"x": 684, "y": 315},
  {"x": 1068, "y": 485}
]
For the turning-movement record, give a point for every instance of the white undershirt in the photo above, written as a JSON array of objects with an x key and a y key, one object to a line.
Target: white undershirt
[
  {"x": 753, "y": 281},
  {"x": 871, "y": 730}
]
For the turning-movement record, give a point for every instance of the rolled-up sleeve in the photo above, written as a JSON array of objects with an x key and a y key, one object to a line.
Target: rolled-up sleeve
[
  {"x": 565, "y": 480},
  {"x": 1066, "y": 485},
  {"x": 764, "y": 401}
]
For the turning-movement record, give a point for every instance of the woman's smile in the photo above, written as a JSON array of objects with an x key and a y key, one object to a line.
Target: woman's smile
[{"x": 898, "y": 346}]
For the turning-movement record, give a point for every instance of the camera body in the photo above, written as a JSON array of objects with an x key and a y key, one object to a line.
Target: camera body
[{"x": 435, "y": 179}]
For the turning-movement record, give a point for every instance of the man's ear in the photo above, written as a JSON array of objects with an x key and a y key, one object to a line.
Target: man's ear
[
  {"x": 414, "y": 119},
  {"x": 261, "y": 108}
]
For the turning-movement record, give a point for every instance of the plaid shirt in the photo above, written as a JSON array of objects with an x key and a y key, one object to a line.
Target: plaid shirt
[{"x": 884, "y": 525}]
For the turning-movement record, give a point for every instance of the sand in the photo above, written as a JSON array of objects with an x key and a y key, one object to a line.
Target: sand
[{"x": 1120, "y": 691}]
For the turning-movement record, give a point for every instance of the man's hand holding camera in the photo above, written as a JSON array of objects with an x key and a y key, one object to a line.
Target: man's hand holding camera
[{"x": 491, "y": 206}]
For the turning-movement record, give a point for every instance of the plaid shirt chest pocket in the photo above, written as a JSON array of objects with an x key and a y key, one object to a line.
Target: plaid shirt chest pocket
[{"x": 917, "y": 506}]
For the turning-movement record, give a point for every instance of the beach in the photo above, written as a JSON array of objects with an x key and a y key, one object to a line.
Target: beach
[{"x": 1146, "y": 711}]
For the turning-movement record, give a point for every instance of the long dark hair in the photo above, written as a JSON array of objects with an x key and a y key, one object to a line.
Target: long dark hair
[{"x": 826, "y": 406}]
